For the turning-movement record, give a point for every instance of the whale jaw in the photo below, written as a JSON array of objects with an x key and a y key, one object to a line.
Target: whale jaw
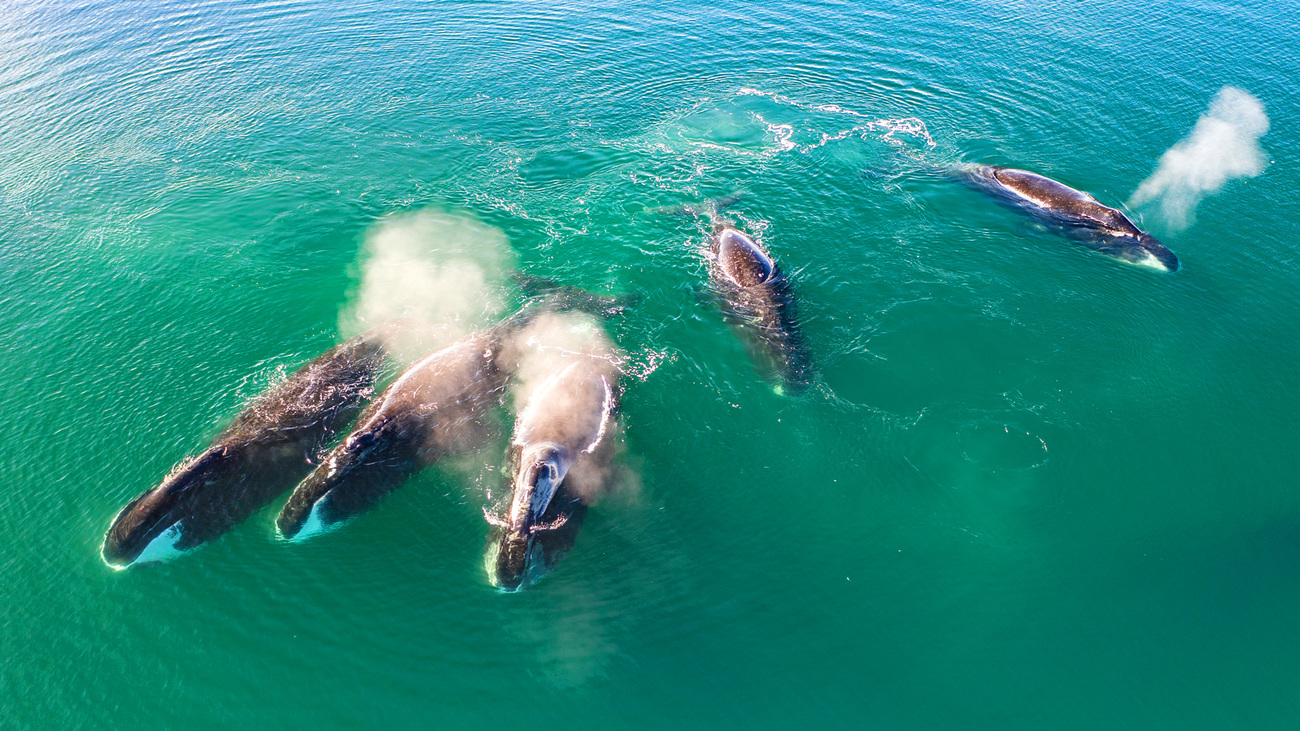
[
  {"x": 514, "y": 562},
  {"x": 1145, "y": 251},
  {"x": 314, "y": 525},
  {"x": 1151, "y": 261},
  {"x": 164, "y": 547}
]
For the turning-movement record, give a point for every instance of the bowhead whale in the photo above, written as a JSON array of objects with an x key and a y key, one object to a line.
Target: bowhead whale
[
  {"x": 433, "y": 409},
  {"x": 264, "y": 451},
  {"x": 1078, "y": 214},
  {"x": 559, "y": 459},
  {"x": 758, "y": 301}
]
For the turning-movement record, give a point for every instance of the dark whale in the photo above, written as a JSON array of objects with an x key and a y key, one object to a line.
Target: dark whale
[
  {"x": 758, "y": 301},
  {"x": 264, "y": 451},
  {"x": 1076, "y": 213},
  {"x": 434, "y": 408},
  {"x": 559, "y": 459}
]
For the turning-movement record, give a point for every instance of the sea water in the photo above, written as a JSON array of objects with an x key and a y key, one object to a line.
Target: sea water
[{"x": 1031, "y": 488}]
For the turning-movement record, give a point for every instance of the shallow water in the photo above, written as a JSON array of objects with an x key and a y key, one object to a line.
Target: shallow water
[{"x": 1032, "y": 488}]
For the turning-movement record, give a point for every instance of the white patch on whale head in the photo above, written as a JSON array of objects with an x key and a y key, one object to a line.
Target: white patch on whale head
[
  {"x": 315, "y": 524},
  {"x": 161, "y": 548},
  {"x": 1149, "y": 260}
]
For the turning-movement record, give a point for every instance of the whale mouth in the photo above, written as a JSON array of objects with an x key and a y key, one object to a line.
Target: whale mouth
[
  {"x": 1151, "y": 261},
  {"x": 514, "y": 562},
  {"x": 1155, "y": 255},
  {"x": 163, "y": 547},
  {"x": 521, "y": 555}
]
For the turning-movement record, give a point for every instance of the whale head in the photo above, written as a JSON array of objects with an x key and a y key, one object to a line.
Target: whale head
[
  {"x": 1142, "y": 250},
  {"x": 542, "y": 522},
  {"x": 1156, "y": 255},
  {"x": 152, "y": 527},
  {"x": 740, "y": 259},
  {"x": 353, "y": 477}
]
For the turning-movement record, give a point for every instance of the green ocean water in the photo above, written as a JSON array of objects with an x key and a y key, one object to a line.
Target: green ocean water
[{"x": 1032, "y": 487}]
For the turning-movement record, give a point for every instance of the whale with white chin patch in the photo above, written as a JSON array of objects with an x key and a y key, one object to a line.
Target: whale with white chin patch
[{"x": 1073, "y": 212}]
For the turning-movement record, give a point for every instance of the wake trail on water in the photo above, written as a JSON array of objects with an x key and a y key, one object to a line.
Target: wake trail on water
[
  {"x": 1223, "y": 146},
  {"x": 883, "y": 129},
  {"x": 431, "y": 276},
  {"x": 762, "y": 125}
]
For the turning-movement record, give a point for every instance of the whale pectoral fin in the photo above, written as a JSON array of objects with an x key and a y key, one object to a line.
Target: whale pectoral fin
[{"x": 723, "y": 202}]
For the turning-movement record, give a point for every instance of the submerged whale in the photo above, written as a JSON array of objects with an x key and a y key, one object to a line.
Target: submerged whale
[
  {"x": 264, "y": 451},
  {"x": 559, "y": 459},
  {"x": 758, "y": 301},
  {"x": 1078, "y": 214}
]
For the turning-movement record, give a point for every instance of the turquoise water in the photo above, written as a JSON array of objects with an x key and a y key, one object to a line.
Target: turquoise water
[{"x": 1033, "y": 487}]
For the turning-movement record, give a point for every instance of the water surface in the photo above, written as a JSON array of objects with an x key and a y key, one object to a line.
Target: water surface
[{"x": 1033, "y": 487}]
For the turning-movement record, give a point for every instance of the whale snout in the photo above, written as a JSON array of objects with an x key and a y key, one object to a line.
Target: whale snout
[
  {"x": 352, "y": 479},
  {"x": 298, "y": 522},
  {"x": 1143, "y": 251},
  {"x": 512, "y": 561},
  {"x": 1159, "y": 252},
  {"x": 308, "y": 512},
  {"x": 150, "y": 528},
  {"x": 523, "y": 553}
]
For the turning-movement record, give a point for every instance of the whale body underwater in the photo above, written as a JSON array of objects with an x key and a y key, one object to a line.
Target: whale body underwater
[
  {"x": 1075, "y": 213},
  {"x": 757, "y": 300},
  {"x": 266, "y": 450}
]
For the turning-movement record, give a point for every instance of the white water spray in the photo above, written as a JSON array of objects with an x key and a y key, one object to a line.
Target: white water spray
[
  {"x": 438, "y": 274},
  {"x": 1223, "y": 146}
]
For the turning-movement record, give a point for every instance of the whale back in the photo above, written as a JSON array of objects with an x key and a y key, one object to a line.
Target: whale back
[{"x": 1062, "y": 200}]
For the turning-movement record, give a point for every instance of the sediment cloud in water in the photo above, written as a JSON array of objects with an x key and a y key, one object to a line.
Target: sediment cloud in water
[
  {"x": 439, "y": 275},
  {"x": 1223, "y": 146}
]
